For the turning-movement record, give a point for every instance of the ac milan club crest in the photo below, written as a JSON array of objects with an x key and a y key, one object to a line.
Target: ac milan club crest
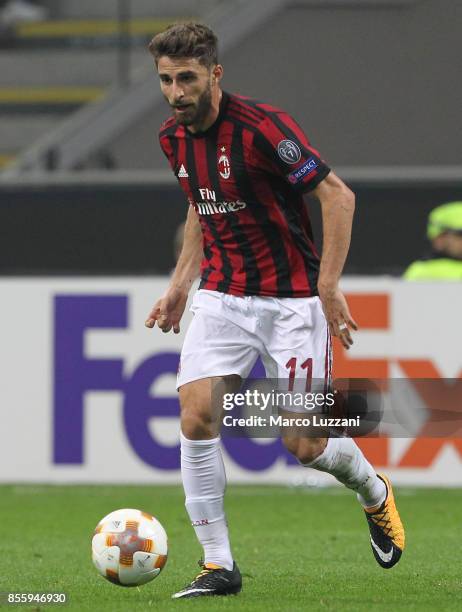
[{"x": 224, "y": 167}]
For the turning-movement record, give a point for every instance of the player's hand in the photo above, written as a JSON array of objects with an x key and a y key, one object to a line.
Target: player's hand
[
  {"x": 338, "y": 315},
  {"x": 167, "y": 311}
]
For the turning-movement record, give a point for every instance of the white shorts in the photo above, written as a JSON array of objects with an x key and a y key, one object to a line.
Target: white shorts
[{"x": 229, "y": 333}]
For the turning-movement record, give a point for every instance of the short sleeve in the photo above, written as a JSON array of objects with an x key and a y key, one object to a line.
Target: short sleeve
[
  {"x": 165, "y": 146},
  {"x": 283, "y": 149},
  {"x": 167, "y": 139}
]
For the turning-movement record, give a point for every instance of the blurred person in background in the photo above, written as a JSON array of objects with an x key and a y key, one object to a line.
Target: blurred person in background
[
  {"x": 18, "y": 11},
  {"x": 444, "y": 230}
]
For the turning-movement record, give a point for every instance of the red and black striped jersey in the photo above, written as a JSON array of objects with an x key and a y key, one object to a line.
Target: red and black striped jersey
[{"x": 245, "y": 177}]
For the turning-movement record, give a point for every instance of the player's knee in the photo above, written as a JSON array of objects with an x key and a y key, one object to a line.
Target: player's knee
[
  {"x": 305, "y": 450},
  {"x": 197, "y": 425},
  {"x": 197, "y": 420},
  {"x": 291, "y": 444}
]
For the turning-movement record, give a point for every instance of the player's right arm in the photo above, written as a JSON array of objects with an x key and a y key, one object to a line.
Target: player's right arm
[{"x": 168, "y": 310}]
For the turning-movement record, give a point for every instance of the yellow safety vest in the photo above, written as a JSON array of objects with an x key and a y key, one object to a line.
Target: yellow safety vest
[{"x": 435, "y": 269}]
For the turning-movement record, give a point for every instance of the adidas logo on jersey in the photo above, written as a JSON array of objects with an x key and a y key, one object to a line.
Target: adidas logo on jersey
[{"x": 182, "y": 173}]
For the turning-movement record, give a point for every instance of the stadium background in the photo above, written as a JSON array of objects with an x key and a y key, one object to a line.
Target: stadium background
[
  {"x": 88, "y": 211},
  {"x": 91, "y": 195}
]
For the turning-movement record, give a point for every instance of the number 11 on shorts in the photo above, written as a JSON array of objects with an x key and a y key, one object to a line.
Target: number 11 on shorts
[{"x": 307, "y": 365}]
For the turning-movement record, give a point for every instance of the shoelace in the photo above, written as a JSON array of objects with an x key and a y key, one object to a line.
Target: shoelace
[
  {"x": 205, "y": 572},
  {"x": 381, "y": 521}
]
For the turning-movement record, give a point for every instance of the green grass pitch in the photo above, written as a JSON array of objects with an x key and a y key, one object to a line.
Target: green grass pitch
[{"x": 297, "y": 549}]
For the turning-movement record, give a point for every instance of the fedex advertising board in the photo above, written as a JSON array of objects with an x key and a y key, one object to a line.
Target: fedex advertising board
[{"x": 88, "y": 393}]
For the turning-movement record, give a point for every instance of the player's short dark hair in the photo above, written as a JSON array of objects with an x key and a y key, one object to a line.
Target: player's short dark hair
[{"x": 186, "y": 40}]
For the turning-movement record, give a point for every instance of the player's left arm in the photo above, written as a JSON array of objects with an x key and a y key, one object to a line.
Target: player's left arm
[
  {"x": 281, "y": 148},
  {"x": 337, "y": 205}
]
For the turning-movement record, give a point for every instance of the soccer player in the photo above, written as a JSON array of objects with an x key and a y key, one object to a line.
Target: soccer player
[{"x": 244, "y": 166}]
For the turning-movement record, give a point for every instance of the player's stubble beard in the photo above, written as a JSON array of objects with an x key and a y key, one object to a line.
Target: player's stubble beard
[{"x": 196, "y": 116}]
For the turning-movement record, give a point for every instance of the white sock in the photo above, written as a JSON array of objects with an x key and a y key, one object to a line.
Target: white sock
[
  {"x": 343, "y": 459},
  {"x": 204, "y": 482}
]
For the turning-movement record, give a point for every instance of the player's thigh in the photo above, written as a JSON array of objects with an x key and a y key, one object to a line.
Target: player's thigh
[
  {"x": 201, "y": 403},
  {"x": 298, "y": 358},
  {"x": 217, "y": 342},
  {"x": 298, "y": 353}
]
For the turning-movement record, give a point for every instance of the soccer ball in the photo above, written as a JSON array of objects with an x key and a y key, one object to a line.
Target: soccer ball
[{"x": 129, "y": 547}]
